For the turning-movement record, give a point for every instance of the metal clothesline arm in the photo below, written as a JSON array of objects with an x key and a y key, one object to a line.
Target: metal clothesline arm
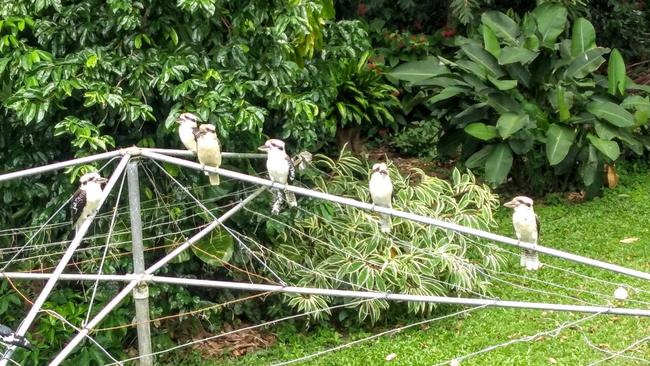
[
  {"x": 57, "y": 166},
  {"x": 187, "y": 153},
  {"x": 111, "y": 154},
  {"x": 404, "y": 215},
  {"x": 346, "y": 293},
  {"x": 156, "y": 266},
  {"x": 49, "y": 286}
]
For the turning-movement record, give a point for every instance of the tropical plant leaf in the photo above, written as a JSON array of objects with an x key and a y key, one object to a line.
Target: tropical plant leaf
[
  {"x": 616, "y": 75},
  {"x": 418, "y": 70},
  {"x": 478, "y": 158},
  {"x": 551, "y": 20},
  {"x": 558, "y": 142},
  {"x": 609, "y": 148},
  {"x": 447, "y": 93},
  {"x": 510, "y": 123},
  {"x": 479, "y": 55},
  {"x": 611, "y": 112},
  {"x": 502, "y": 25},
  {"x": 498, "y": 164},
  {"x": 589, "y": 168},
  {"x": 510, "y": 55},
  {"x": 214, "y": 249},
  {"x": 503, "y": 84},
  {"x": 490, "y": 42},
  {"x": 583, "y": 37},
  {"x": 586, "y": 63},
  {"x": 481, "y": 131}
]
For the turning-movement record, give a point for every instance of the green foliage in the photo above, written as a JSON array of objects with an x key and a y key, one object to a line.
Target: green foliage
[
  {"x": 520, "y": 89},
  {"x": 418, "y": 139},
  {"x": 347, "y": 250},
  {"x": 624, "y": 25}
]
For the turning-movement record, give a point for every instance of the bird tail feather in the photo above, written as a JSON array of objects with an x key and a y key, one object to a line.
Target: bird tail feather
[
  {"x": 531, "y": 261},
  {"x": 214, "y": 179},
  {"x": 291, "y": 198},
  {"x": 385, "y": 223}
]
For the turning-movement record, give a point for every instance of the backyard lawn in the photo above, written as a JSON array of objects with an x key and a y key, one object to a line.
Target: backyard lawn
[{"x": 593, "y": 229}]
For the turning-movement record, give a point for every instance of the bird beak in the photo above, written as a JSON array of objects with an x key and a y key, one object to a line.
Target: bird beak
[
  {"x": 263, "y": 148},
  {"x": 510, "y": 204},
  {"x": 102, "y": 180}
]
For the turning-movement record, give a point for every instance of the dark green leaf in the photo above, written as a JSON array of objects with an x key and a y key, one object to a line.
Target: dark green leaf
[
  {"x": 609, "y": 148},
  {"x": 418, "y": 70},
  {"x": 583, "y": 37},
  {"x": 510, "y": 55},
  {"x": 502, "y": 25},
  {"x": 477, "y": 54},
  {"x": 551, "y": 20},
  {"x": 612, "y": 113},
  {"x": 510, "y": 123},
  {"x": 586, "y": 63},
  {"x": 616, "y": 74},
  {"x": 481, "y": 131},
  {"x": 558, "y": 142},
  {"x": 498, "y": 164},
  {"x": 214, "y": 249}
]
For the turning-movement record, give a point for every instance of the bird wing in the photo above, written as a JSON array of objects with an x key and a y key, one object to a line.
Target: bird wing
[
  {"x": 292, "y": 169},
  {"x": 195, "y": 132},
  {"x": 5, "y": 330},
  {"x": 537, "y": 223},
  {"x": 77, "y": 204}
]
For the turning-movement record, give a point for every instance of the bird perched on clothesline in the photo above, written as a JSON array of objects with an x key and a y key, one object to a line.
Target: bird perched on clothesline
[
  {"x": 86, "y": 198},
  {"x": 281, "y": 170},
  {"x": 526, "y": 225},
  {"x": 208, "y": 150},
  {"x": 8, "y": 336},
  {"x": 381, "y": 192},
  {"x": 187, "y": 130}
]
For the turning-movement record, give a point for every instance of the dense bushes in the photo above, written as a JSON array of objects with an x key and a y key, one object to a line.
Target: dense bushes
[{"x": 521, "y": 91}]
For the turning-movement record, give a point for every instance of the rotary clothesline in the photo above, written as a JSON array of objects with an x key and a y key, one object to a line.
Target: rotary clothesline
[{"x": 155, "y": 154}]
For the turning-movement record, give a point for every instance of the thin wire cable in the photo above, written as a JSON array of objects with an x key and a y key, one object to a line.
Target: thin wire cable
[
  {"x": 108, "y": 239},
  {"x": 603, "y": 350},
  {"x": 265, "y": 324},
  {"x": 60, "y": 317},
  {"x": 619, "y": 353},
  {"x": 338, "y": 250},
  {"x": 214, "y": 217},
  {"x": 552, "y": 333},
  {"x": 390, "y": 331},
  {"x": 192, "y": 312}
]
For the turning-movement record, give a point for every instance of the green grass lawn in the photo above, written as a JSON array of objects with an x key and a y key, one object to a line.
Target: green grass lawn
[{"x": 592, "y": 229}]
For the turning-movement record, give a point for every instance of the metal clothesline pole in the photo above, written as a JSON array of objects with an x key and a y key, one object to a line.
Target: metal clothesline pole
[
  {"x": 143, "y": 277},
  {"x": 49, "y": 286},
  {"x": 346, "y": 293},
  {"x": 61, "y": 165},
  {"x": 141, "y": 291},
  {"x": 404, "y": 215}
]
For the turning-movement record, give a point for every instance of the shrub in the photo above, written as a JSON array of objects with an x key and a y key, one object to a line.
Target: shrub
[
  {"x": 346, "y": 250},
  {"x": 521, "y": 90}
]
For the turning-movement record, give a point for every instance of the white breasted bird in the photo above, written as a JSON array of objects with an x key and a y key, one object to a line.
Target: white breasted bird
[
  {"x": 381, "y": 192},
  {"x": 8, "y": 336},
  {"x": 188, "y": 130},
  {"x": 526, "y": 225},
  {"x": 86, "y": 198},
  {"x": 208, "y": 150},
  {"x": 281, "y": 170}
]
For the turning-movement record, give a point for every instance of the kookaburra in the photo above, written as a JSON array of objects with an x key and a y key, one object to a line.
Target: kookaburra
[
  {"x": 187, "y": 130},
  {"x": 208, "y": 150},
  {"x": 7, "y": 336},
  {"x": 381, "y": 192},
  {"x": 281, "y": 170},
  {"x": 526, "y": 226},
  {"x": 86, "y": 198}
]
